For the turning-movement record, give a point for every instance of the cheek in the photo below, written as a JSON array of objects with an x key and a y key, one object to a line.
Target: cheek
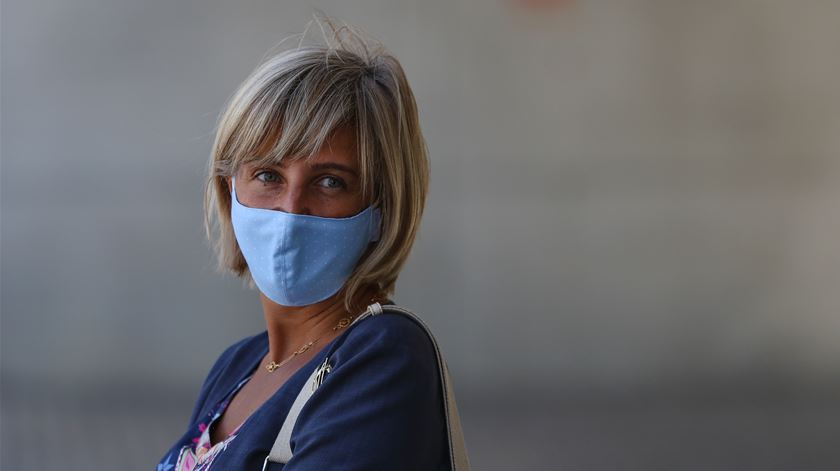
[
  {"x": 338, "y": 206},
  {"x": 254, "y": 196}
]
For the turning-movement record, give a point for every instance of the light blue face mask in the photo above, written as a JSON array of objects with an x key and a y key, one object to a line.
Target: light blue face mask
[{"x": 298, "y": 259}]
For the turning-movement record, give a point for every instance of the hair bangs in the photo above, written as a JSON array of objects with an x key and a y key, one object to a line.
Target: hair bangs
[{"x": 295, "y": 120}]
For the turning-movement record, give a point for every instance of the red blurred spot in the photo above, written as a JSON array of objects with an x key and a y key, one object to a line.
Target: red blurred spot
[{"x": 543, "y": 4}]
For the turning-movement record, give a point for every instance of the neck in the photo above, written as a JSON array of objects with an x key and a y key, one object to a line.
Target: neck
[{"x": 290, "y": 327}]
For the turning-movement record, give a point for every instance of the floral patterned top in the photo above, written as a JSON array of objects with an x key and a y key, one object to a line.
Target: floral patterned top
[{"x": 200, "y": 454}]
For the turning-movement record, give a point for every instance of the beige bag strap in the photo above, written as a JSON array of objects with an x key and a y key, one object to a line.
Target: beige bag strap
[{"x": 281, "y": 451}]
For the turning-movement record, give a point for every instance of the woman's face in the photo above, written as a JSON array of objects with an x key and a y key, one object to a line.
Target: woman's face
[{"x": 327, "y": 185}]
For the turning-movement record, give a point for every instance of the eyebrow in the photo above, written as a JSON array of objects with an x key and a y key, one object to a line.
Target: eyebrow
[{"x": 334, "y": 166}]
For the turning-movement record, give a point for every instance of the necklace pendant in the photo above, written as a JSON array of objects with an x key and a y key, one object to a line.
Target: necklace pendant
[{"x": 343, "y": 323}]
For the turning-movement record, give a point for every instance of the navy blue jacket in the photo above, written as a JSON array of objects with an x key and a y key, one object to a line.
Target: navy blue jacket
[{"x": 380, "y": 407}]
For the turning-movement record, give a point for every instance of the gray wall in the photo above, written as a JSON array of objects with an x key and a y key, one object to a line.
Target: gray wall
[{"x": 631, "y": 201}]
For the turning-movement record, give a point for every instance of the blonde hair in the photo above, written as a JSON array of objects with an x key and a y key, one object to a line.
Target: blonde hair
[{"x": 290, "y": 106}]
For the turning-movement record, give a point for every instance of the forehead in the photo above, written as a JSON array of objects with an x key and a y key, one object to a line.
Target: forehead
[{"x": 339, "y": 148}]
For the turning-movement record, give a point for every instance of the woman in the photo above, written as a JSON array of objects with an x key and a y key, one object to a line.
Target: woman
[{"x": 318, "y": 179}]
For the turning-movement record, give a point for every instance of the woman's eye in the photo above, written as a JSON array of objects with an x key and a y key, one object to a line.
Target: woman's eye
[
  {"x": 331, "y": 182},
  {"x": 270, "y": 177}
]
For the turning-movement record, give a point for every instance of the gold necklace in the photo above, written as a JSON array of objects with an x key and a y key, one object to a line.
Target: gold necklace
[
  {"x": 344, "y": 322},
  {"x": 271, "y": 366}
]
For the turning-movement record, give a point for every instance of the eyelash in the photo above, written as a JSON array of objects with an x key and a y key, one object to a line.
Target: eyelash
[
  {"x": 257, "y": 176},
  {"x": 339, "y": 181}
]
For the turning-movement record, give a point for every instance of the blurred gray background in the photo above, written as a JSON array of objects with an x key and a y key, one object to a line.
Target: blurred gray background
[{"x": 629, "y": 255}]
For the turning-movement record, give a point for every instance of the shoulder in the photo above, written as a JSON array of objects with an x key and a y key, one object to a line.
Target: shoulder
[
  {"x": 214, "y": 382},
  {"x": 392, "y": 332},
  {"x": 384, "y": 382},
  {"x": 387, "y": 345},
  {"x": 233, "y": 356}
]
